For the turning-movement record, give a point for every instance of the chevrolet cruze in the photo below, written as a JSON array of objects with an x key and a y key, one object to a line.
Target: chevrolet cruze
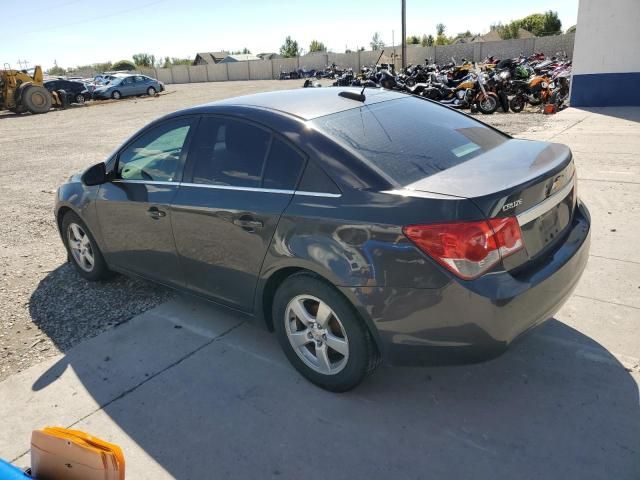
[{"x": 360, "y": 228}]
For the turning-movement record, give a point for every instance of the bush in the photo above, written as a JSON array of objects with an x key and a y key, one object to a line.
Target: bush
[{"x": 124, "y": 65}]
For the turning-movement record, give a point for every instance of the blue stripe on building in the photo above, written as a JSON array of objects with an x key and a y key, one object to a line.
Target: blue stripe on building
[{"x": 605, "y": 89}]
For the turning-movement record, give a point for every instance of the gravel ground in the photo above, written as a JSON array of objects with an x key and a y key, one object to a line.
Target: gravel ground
[{"x": 46, "y": 306}]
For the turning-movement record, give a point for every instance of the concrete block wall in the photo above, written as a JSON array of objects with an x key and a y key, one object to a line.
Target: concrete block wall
[
  {"x": 317, "y": 61},
  {"x": 443, "y": 53},
  {"x": 555, "y": 44},
  {"x": 345, "y": 60},
  {"x": 417, "y": 55},
  {"x": 284, "y": 65},
  {"x": 198, "y": 74},
  {"x": 165, "y": 75},
  {"x": 180, "y": 74},
  {"x": 238, "y": 70},
  {"x": 270, "y": 69},
  {"x": 260, "y": 70},
  {"x": 217, "y": 73}
]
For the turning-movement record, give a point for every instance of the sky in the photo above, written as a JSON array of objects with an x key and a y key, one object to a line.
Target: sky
[{"x": 80, "y": 32}]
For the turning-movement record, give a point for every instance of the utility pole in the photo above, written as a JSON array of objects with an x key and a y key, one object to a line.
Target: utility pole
[
  {"x": 393, "y": 43},
  {"x": 404, "y": 34}
]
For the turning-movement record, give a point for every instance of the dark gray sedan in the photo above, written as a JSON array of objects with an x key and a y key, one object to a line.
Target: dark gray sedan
[{"x": 360, "y": 230}]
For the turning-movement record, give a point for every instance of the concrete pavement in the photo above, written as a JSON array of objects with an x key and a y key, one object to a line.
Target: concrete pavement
[{"x": 191, "y": 391}]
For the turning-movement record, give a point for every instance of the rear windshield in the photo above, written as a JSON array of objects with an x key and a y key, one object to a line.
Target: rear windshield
[{"x": 410, "y": 138}]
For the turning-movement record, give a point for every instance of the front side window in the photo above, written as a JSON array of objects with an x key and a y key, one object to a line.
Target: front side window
[
  {"x": 229, "y": 152},
  {"x": 156, "y": 154}
]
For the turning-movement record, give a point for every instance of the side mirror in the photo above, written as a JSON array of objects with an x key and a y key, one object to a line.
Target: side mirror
[{"x": 96, "y": 175}]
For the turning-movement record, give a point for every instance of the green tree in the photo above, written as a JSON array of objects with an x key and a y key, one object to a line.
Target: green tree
[
  {"x": 316, "y": 46},
  {"x": 571, "y": 29},
  {"x": 441, "y": 38},
  {"x": 173, "y": 61},
  {"x": 376, "y": 42},
  {"x": 552, "y": 24},
  {"x": 413, "y": 40},
  {"x": 540, "y": 24},
  {"x": 56, "y": 71},
  {"x": 510, "y": 30},
  {"x": 144, "y": 59},
  {"x": 124, "y": 65},
  {"x": 102, "y": 67},
  {"x": 289, "y": 48}
]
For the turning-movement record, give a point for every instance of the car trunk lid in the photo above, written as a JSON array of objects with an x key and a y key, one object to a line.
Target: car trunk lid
[{"x": 534, "y": 181}]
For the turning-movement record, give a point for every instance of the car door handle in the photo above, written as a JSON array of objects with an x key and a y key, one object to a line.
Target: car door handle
[
  {"x": 156, "y": 213},
  {"x": 248, "y": 223}
]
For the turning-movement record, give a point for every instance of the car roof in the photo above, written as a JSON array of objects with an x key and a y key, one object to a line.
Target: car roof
[{"x": 308, "y": 103}]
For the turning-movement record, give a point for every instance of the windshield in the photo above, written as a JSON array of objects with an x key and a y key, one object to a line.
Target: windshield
[{"x": 410, "y": 138}]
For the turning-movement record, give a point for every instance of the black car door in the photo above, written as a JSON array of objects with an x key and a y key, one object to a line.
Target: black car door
[
  {"x": 238, "y": 180},
  {"x": 133, "y": 209}
]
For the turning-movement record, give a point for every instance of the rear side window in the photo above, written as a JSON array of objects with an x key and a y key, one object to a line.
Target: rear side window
[
  {"x": 410, "y": 139},
  {"x": 283, "y": 168},
  {"x": 228, "y": 152}
]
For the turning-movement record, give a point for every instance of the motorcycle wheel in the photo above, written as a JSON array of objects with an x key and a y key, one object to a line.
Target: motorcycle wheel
[
  {"x": 487, "y": 105},
  {"x": 516, "y": 104}
]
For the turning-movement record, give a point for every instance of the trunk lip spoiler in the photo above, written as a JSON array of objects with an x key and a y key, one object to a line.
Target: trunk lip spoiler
[{"x": 547, "y": 204}]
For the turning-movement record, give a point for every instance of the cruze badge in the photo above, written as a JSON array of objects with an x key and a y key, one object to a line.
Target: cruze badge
[{"x": 509, "y": 206}]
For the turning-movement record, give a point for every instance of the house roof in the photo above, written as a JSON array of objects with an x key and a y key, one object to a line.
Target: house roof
[
  {"x": 268, "y": 55},
  {"x": 211, "y": 57},
  {"x": 494, "y": 36},
  {"x": 240, "y": 57}
]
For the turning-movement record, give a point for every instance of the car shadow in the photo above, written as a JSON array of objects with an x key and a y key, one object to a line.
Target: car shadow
[
  {"x": 13, "y": 116},
  {"x": 69, "y": 309},
  {"x": 556, "y": 405}
]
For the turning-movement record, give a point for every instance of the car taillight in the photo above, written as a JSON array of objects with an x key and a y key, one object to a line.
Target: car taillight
[{"x": 468, "y": 249}]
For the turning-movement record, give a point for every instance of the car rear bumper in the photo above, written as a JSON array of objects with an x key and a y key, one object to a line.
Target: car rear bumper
[{"x": 469, "y": 321}]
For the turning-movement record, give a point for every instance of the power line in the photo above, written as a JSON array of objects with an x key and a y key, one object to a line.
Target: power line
[
  {"x": 43, "y": 9},
  {"x": 93, "y": 19}
]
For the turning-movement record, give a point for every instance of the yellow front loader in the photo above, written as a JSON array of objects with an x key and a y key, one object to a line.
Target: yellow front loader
[{"x": 21, "y": 92}]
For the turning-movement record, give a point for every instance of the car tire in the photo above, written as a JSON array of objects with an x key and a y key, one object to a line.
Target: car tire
[
  {"x": 335, "y": 351},
  {"x": 80, "y": 99},
  {"x": 81, "y": 246},
  {"x": 151, "y": 92},
  {"x": 36, "y": 99},
  {"x": 116, "y": 95}
]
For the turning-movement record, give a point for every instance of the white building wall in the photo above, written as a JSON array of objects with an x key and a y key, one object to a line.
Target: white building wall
[{"x": 606, "y": 56}]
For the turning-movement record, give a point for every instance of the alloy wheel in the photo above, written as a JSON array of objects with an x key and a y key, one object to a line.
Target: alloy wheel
[
  {"x": 80, "y": 246},
  {"x": 316, "y": 334}
]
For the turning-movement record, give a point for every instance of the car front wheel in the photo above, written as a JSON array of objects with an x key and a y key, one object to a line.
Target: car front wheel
[
  {"x": 116, "y": 95},
  {"x": 151, "y": 91},
  {"x": 321, "y": 334},
  {"x": 83, "y": 250}
]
